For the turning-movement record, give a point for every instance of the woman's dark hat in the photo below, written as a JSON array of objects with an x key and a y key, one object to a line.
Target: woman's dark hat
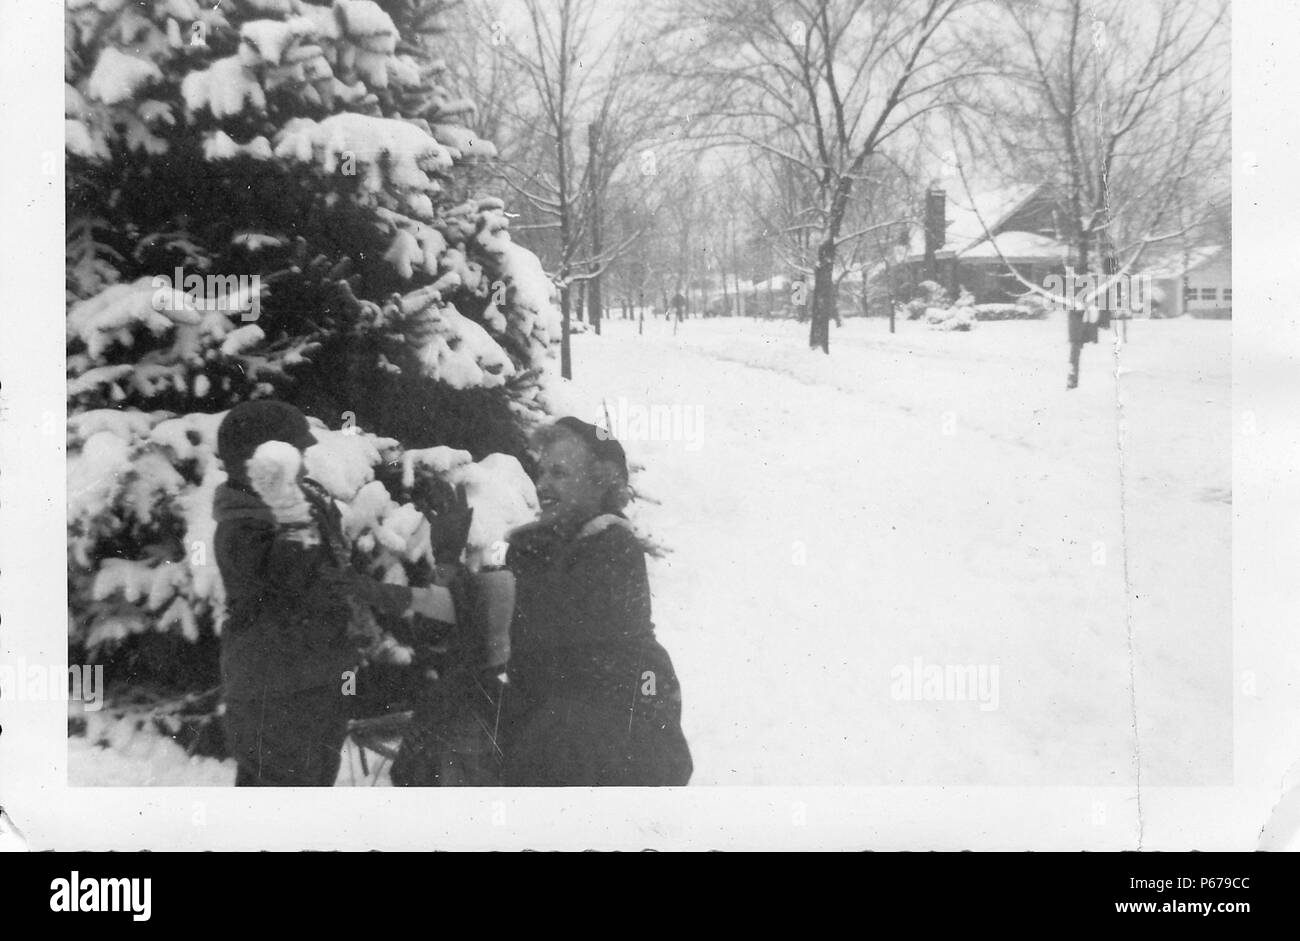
[{"x": 599, "y": 441}]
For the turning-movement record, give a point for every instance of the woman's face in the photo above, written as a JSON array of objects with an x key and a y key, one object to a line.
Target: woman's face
[{"x": 570, "y": 487}]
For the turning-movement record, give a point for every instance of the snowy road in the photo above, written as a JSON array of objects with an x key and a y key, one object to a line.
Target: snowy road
[{"x": 842, "y": 527}]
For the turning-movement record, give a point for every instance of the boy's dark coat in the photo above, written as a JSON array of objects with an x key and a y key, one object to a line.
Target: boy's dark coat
[{"x": 287, "y": 619}]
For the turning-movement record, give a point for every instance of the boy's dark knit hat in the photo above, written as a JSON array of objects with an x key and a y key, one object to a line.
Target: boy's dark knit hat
[
  {"x": 599, "y": 441},
  {"x": 251, "y": 424}
]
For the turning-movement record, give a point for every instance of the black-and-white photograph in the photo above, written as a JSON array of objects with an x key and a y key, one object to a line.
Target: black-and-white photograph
[{"x": 676, "y": 395}]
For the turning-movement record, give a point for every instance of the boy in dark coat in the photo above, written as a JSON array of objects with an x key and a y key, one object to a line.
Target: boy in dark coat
[
  {"x": 291, "y": 601},
  {"x": 592, "y": 697}
]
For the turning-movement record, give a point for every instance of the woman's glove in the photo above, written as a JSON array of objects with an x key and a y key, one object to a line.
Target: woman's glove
[{"x": 449, "y": 527}]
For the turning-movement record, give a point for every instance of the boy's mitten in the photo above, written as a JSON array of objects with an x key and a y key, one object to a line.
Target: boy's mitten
[{"x": 273, "y": 473}]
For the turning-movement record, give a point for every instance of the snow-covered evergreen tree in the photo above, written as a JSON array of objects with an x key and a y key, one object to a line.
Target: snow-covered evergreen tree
[{"x": 298, "y": 168}]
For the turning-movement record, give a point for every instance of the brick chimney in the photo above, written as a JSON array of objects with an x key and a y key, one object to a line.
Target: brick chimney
[{"x": 936, "y": 226}]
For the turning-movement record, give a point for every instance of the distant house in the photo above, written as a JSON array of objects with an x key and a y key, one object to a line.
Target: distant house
[
  {"x": 1195, "y": 281},
  {"x": 968, "y": 243}
]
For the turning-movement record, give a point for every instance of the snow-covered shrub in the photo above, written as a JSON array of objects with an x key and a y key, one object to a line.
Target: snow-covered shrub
[
  {"x": 950, "y": 318},
  {"x": 304, "y": 163},
  {"x": 1037, "y": 305},
  {"x": 930, "y": 294},
  {"x": 1019, "y": 311}
]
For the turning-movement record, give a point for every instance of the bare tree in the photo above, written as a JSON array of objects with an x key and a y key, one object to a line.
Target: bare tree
[
  {"x": 1123, "y": 109},
  {"x": 823, "y": 85},
  {"x": 584, "y": 114}
]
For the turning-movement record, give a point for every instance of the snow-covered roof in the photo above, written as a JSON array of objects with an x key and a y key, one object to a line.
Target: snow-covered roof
[
  {"x": 1174, "y": 263},
  {"x": 776, "y": 283},
  {"x": 967, "y": 216},
  {"x": 1017, "y": 246}
]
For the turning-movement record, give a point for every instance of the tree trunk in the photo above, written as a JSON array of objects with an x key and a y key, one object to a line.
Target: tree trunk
[
  {"x": 593, "y": 295},
  {"x": 893, "y": 303},
  {"x": 566, "y": 361},
  {"x": 722, "y": 269},
  {"x": 735, "y": 273},
  {"x": 823, "y": 306},
  {"x": 594, "y": 303},
  {"x": 824, "y": 301}
]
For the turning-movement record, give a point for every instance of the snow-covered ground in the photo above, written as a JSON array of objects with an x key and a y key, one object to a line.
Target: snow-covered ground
[{"x": 841, "y": 526}]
